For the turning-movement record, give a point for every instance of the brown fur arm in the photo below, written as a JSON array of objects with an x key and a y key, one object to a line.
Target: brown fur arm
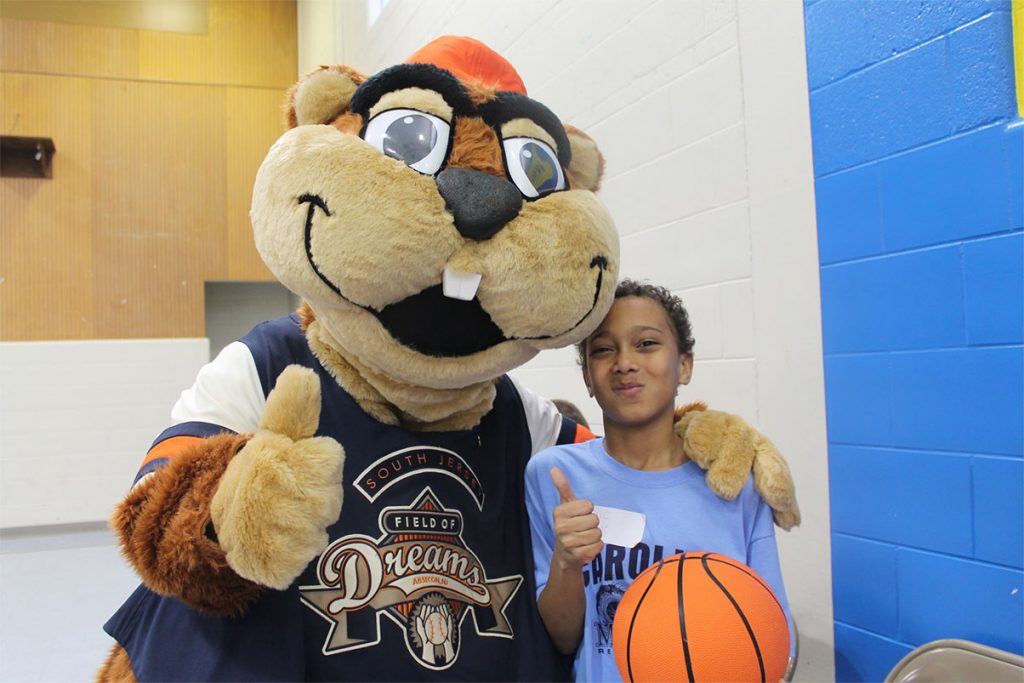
[
  {"x": 117, "y": 668},
  {"x": 162, "y": 525},
  {"x": 729, "y": 448}
]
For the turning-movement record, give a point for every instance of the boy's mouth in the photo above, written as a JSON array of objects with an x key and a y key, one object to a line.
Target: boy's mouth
[{"x": 628, "y": 389}]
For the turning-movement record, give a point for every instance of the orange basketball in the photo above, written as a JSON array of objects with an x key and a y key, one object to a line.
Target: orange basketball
[{"x": 700, "y": 617}]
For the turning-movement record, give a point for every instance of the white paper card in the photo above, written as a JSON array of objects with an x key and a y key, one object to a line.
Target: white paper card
[{"x": 620, "y": 527}]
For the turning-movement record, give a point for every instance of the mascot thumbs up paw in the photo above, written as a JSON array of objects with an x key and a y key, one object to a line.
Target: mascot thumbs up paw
[
  {"x": 280, "y": 492},
  {"x": 365, "y": 519}
]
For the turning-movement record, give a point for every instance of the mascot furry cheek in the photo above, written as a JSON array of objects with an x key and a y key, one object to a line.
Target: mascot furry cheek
[{"x": 340, "y": 494}]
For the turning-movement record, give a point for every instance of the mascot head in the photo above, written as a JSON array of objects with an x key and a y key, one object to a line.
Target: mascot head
[{"x": 440, "y": 224}]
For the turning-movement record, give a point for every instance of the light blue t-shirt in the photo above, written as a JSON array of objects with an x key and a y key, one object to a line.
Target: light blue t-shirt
[{"x": 682, "y": 515}]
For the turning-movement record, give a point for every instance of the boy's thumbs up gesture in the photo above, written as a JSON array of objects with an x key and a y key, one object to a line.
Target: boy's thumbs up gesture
[{"x": 577, "y": 535}]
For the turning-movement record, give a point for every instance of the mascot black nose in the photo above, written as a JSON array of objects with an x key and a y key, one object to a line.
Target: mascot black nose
[{"x": 481, "y": 203}]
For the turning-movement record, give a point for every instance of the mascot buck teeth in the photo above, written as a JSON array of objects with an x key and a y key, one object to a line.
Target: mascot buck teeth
[{"x": 340, "y": 494}]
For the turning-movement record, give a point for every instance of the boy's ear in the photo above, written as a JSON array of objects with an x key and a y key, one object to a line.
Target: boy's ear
[
  {"x": 587, "y": 165},
  {"x": 322, "y": 96},
  {"x": 685, "y": 368},
  {"x": 586, "y": 380}
]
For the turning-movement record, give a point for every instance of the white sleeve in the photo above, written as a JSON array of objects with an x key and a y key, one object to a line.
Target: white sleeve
[
  {"x": 541, "y": 415},
  {"x": 227, "y": 393}
]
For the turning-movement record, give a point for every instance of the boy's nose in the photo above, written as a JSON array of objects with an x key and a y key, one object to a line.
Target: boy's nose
[{"x": 624, "y": 362}]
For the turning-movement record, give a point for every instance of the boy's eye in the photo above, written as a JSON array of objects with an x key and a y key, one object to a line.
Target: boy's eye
[
  {"x": 598, "y": 350},
  {"x": 648, "y": 343}
]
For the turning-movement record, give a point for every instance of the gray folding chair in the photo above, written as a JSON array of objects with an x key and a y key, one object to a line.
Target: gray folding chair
[
  {"x": 794, "y": 637},
  {"x": 948, "y": 661}
]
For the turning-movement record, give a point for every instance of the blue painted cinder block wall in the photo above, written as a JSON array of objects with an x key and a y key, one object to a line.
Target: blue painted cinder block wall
[{"x": 918, "y": 173}]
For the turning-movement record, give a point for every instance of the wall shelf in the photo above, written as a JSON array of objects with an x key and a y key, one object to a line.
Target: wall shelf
[{"x": 26, "y": 157}]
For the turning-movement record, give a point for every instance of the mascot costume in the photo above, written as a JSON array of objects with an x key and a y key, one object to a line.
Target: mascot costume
[{"x": 340, "y": 494}]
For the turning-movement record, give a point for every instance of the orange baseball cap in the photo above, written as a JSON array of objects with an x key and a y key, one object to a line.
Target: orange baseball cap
[{"x": 470, "y": 60}]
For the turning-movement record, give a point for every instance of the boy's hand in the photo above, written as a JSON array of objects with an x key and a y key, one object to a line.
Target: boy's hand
[{"x": 577, "y": 535}]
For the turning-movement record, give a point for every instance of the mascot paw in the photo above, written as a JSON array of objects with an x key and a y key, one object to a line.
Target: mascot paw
[
  {"x": 729, "y": 448},
  {"x": 720, "y": 443},
  {"x": 283, "y": 489},
  {"x": 774, "y": 482},
  {"x": 787, "y": 518}
]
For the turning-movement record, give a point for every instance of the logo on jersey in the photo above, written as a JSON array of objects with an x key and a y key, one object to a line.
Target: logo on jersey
[
  {"x": 608, "y": 598},
  {"x": 408, "y": 462},
  {"x": 418, "y": 573}
]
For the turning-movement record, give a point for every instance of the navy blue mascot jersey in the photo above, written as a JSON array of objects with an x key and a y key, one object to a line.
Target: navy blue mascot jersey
[{"x": 428, "y": 574}]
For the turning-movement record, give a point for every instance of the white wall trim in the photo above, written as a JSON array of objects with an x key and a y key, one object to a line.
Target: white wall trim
[{"x": 787, "y": 306}]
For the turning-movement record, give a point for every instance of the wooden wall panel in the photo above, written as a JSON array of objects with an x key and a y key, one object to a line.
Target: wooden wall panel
[
  {"x": 164, "y": 238},
  {"x": 249, "y": 114},
  {"x": 192, "y": 57},
  {"x": 242, "y": 26},
  {"x": 250, "y": 42},
  {"x": 46, "y": 226},
  {"x": 51, "y": 48},
  {"x": 152, "y": 177}
]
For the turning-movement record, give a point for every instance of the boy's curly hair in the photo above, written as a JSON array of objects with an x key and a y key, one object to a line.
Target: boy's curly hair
[{"x": 672, "y": 305}]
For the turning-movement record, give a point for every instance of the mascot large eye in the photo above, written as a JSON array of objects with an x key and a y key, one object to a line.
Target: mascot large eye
[
  {"x": 533, "y": 166},
  {"x": 413, "y": 137}
]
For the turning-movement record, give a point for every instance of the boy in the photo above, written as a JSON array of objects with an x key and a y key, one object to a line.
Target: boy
[{"x": 633, "y": 364}]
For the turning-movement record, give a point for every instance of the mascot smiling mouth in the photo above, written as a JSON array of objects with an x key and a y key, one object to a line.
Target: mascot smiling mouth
[
  {"x": 435, "y": 322},
  {"x": 438, "y": 325}
]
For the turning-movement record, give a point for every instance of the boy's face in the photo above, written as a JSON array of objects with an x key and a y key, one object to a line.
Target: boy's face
[{"x": 633, "y": 365}]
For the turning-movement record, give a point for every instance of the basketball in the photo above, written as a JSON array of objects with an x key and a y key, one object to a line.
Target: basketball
[{"x": 700, "y": 617}]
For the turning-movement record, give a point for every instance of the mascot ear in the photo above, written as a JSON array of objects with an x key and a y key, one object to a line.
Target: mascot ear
[
  {"x": 322, "y": 96},
  {"x": 587, "y": 166}
]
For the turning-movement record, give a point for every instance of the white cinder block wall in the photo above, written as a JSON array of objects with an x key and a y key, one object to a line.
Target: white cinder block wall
[
  {"x": 700, "y": 107},
  {"x": 76, "y": 420},
  {"x": 77, "y": 417}
]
